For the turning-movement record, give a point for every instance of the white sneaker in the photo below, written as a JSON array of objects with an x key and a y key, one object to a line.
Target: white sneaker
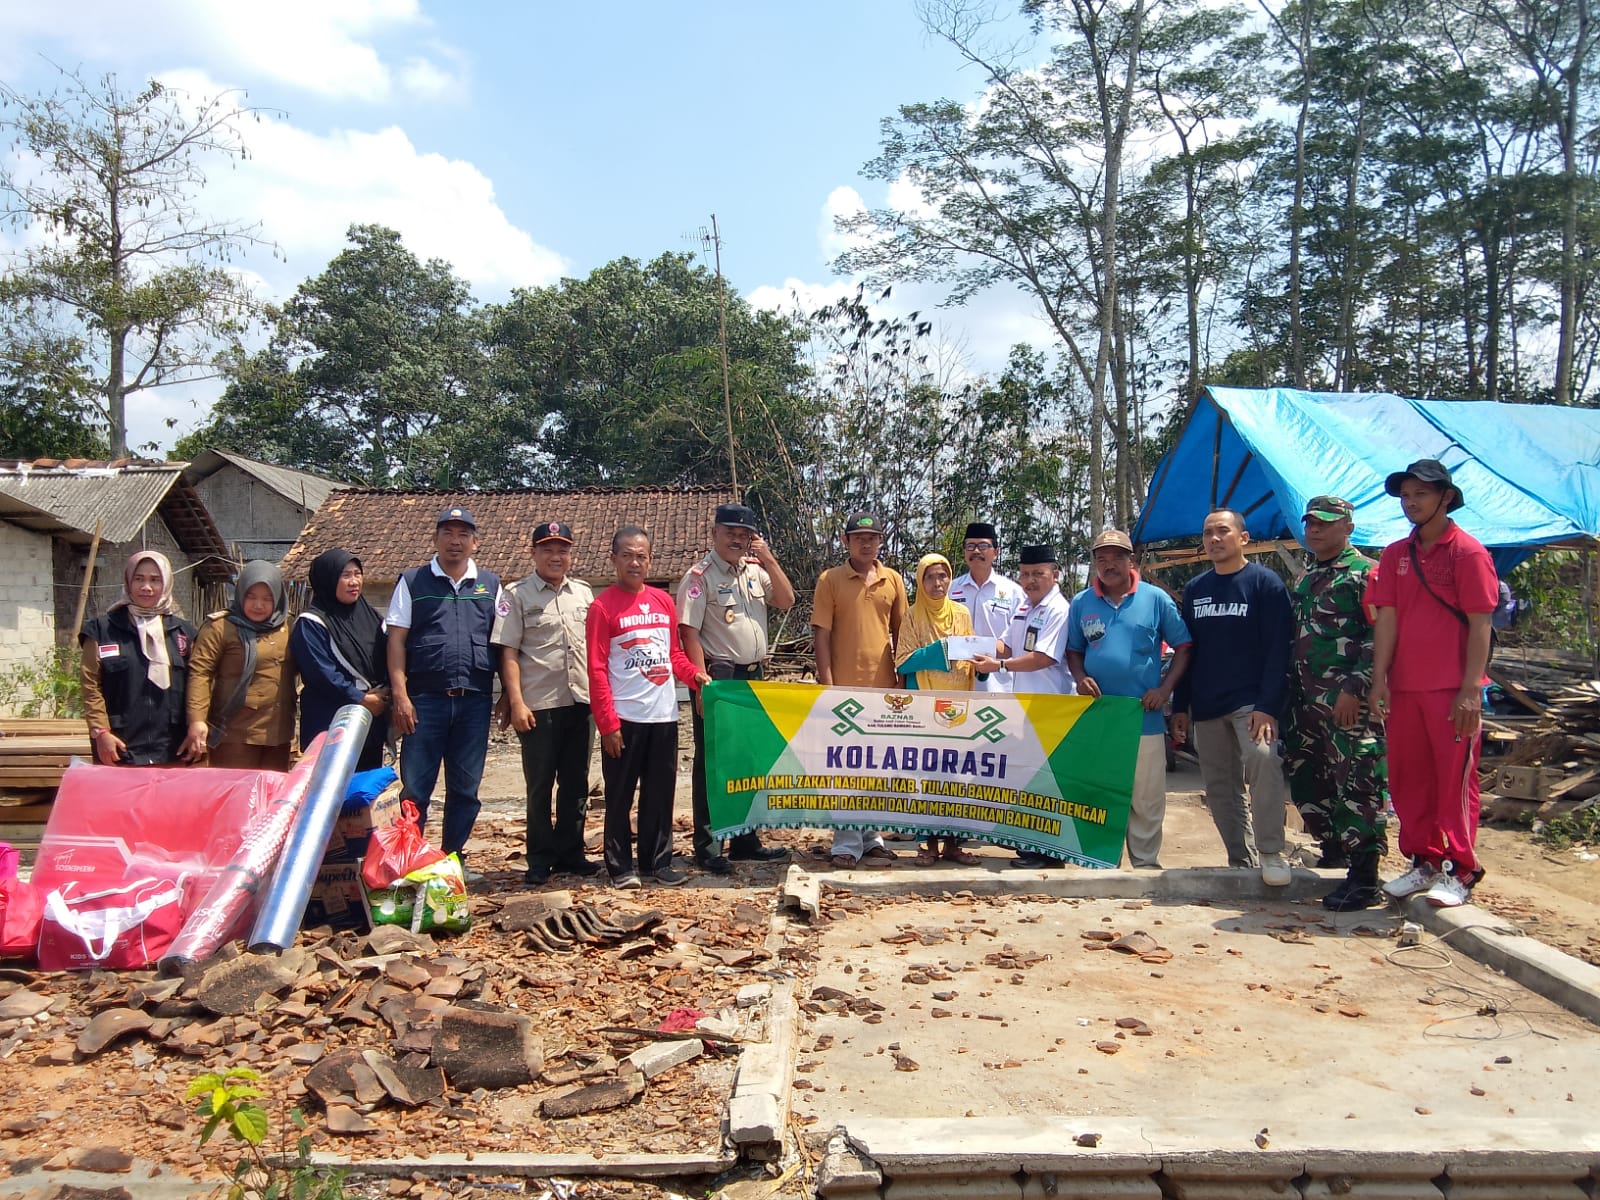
[
  {"x": 1274, "y": 871},
  {"x": 1448, "y": 892},
  {"x": 1419, "y": 879}
]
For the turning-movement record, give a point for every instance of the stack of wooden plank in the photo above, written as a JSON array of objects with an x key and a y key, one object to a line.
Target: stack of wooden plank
[{"x": 33, "y": 754}]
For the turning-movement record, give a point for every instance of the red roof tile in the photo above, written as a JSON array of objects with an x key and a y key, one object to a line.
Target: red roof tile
[{"x": 392, "y": 531}]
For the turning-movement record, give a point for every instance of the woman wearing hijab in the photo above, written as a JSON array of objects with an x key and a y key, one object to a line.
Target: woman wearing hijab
[
  {"x": 136, "y": 667},
  {"x": 241, "y": 678},
  {"x": 932, "y": 618},
  {"x": 339, "y": 646}
]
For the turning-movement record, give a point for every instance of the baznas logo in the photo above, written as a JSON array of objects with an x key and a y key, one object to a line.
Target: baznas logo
[
  {"x": 898, "y": 702},
  {"x": 950, "y": 713}
]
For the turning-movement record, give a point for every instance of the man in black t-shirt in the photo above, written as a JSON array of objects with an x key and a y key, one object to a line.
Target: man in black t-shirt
[{"x": 1239, "y": 616}]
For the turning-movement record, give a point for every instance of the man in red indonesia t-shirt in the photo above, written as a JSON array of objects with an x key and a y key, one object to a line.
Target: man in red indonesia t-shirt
[
  {"x": 634, "y": 656},
  {"x": 1434, "y": 593}
]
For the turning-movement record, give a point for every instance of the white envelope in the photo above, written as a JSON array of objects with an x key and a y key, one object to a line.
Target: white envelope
[{"x": 965, "y": 649}]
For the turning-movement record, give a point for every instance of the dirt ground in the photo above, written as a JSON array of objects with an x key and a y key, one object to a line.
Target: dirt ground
[
  {"x": 130, "y": 1095},
  {"x": 1553, "y": 894}
]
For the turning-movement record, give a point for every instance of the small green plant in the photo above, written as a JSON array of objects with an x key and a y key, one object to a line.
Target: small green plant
[
  {"x": 228, "y": 1101},
  {"x": 49, "y": 686},
  {"x": 1581, "y": 826}
]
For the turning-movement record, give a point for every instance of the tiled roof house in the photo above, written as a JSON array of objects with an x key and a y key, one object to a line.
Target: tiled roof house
[{"x": 392, "y": 531}]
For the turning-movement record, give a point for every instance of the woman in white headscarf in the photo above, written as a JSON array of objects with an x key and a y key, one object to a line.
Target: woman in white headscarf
[
  {"x": 241, "y": 678},
  {"x": 136, "y": 668}
]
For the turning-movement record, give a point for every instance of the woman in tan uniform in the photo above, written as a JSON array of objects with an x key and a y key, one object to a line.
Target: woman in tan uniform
[{"x": 241, "y": 678}]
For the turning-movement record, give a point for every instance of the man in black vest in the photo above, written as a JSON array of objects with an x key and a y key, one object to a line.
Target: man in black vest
[{"x": 442, "y": 672}]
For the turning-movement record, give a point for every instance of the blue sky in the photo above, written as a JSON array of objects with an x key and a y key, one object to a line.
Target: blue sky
[{"x": 524, "y": 142}]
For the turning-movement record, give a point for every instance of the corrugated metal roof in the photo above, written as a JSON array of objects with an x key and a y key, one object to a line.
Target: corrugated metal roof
[
  {"x": 121, "y": 497},
  {"x": 298, "y": 487}
]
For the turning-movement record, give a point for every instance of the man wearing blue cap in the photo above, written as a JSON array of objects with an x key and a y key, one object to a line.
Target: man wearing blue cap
[{"x": 441, "y": 669}]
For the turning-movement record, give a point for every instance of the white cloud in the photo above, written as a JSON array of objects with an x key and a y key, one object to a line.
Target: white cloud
[
  {"x": 327, "y": 49},
  {"x": 308, "y": 188}
]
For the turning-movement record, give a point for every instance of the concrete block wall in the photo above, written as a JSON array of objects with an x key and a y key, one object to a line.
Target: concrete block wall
[{"x": 27, "y": 603}]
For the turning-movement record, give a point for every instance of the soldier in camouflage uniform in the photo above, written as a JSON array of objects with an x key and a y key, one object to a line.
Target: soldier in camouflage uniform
[{"x": 1337, "y": 775}]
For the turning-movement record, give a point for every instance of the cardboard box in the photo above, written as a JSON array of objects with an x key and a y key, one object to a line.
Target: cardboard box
[
  {"x": 348, "y": 842},
  {"x": 338, "y": 898}
]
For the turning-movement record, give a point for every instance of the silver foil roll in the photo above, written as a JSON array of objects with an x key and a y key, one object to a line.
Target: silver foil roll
[{"x": 283, "y": 903}]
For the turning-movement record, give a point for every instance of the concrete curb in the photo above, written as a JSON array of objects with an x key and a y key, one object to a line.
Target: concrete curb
[
  {"x": 1496, "y": 942},
  {"x": 758, "y": 1110},
  {"x": 533, "y": 1166},
  {"x": 1133, "y": 1157}
]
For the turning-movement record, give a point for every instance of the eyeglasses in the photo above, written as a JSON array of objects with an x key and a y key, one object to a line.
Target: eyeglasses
[{"x": 978, "y": 546}]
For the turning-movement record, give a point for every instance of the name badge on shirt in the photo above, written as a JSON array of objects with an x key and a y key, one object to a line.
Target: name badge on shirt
[{"x": 111, "y": 651}]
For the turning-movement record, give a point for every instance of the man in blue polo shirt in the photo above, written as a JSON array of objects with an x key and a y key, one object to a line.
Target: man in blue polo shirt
[{"x": 1115, "y": 628}]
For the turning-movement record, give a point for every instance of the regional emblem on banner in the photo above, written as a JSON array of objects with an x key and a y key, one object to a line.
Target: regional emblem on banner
[{"x": 950, "y": 713}]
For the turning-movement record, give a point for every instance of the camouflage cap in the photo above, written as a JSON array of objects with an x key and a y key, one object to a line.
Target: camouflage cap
[{"x": 1329, "y": 508}]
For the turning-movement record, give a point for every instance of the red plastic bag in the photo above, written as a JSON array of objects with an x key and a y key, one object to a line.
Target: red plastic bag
[
  {"x": 121, "y": 928},
  {"x": 397, "y": 849},
  {"x": 21, "y": 910}
]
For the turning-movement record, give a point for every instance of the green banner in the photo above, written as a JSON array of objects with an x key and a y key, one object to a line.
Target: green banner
[{"x": 1052, "y": 774}]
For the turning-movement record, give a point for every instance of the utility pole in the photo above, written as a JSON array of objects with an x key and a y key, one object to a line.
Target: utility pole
[{"x": 722, "y": 323}]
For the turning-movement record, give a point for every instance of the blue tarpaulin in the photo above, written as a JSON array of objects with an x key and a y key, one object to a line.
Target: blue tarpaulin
[{"x": 1530, "y": 473}]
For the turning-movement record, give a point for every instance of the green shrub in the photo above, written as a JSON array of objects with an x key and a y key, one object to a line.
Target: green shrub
[{"x": 49, "y": 686}]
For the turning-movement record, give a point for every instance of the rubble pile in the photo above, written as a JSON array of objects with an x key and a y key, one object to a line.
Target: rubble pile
[{"x": 555, "y": 1005}]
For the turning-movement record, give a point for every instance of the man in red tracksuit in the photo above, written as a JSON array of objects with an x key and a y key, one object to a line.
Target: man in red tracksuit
[
  {"x": 634, "y": 654},
  {"x": 1434, "y": 593}
]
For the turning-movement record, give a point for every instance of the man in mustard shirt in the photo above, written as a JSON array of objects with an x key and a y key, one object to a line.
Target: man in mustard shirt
[{"x": 855, "y": 619}]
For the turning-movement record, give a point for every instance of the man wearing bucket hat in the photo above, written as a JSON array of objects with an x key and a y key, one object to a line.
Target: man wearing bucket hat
[
  {"x": 541, "y": 636},
  {"x": 1435, "y": 593},
  {"x": 722, "y": 623},
  {"x": 1335, "y": 758},
  {"x": 856, "y": 616},
  {"x": 442, "y": 673}
]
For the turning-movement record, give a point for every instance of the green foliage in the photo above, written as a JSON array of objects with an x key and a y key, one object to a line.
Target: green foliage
[
  {"x": 616, "y": 379},
  {"x": 1581, "y": 826},
  {"x": 228, "y": 1102},
  {"x": 118, "y": 264},
  {"x": 49, "y": 686},
  {"x": 372, "y": 375},
  {"x": 1550, "y": 584}
]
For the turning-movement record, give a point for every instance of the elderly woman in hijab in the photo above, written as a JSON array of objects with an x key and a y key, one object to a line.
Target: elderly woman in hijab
[
  {"x": 241, "y": 678},
  {"x": 135, "y": 668},
  {"x": 339, "y": 646},
  {"x": 932, "y": 618}
]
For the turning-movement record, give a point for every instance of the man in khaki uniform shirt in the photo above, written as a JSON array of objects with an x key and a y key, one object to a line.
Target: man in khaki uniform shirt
[
  {"x": 856, "y": 616},
  {"x": 540, "y": 629},
  {"x": 722, "y": 622}
]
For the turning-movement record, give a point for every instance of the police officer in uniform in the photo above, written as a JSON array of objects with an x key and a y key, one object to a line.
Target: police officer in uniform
[
  {"x": 442, "y": 673},
  {"x": 539, "y": 630},
  {"x": 722, "y": 622}
]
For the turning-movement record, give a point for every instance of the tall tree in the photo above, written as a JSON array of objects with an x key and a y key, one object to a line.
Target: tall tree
[
  {"x": 616, "y": 378},
  {"x": 373, "y": 374},
  {"x": 118, "y": 253}
]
